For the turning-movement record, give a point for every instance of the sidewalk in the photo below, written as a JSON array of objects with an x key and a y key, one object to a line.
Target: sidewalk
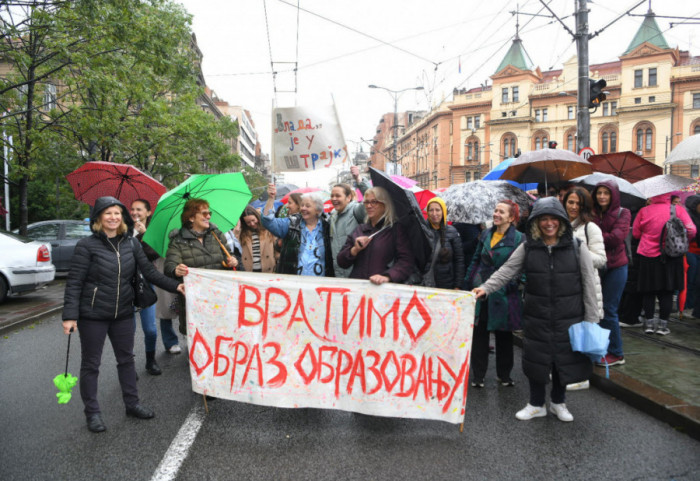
[{"x": 661, "y": 375}]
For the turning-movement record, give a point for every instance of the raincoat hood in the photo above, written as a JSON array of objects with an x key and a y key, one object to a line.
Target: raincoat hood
[
  {"x": 443, "y": 206},
  {"x": 103, "y": 203},
  {"x": 662, "y": 198},
  {"x": 614, "y": 195},
  {"x": 549, "y": 206}
]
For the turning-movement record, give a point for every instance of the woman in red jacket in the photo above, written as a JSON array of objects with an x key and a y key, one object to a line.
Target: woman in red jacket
[{"x": 614, "y": 221}]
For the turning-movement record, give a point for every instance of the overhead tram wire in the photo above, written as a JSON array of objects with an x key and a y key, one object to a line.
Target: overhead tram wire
[
  {"x": 269, "y": 46},
  {"x": 296, "y": 60},
  {"x": 352, "y": 29}
]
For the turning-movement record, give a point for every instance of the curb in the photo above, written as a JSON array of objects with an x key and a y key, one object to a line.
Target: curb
[{"x": 5, "y": 328}]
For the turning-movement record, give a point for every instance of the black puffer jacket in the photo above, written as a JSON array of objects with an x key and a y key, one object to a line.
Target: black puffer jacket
[
  {"x": 448, "y": 269},
  {"x": 98, "y": 286},
  {"x": 553, "y": 302}
]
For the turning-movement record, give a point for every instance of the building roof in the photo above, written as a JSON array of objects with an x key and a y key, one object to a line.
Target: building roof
[
  {"x": 649, "y": 31},
  {"x": 517, "y": 57}
]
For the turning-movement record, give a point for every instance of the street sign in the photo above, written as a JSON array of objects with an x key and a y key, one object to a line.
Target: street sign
[{"x": 586, "y": 152}]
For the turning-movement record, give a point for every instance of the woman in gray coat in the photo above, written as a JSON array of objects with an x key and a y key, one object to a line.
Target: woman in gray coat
[{"x": 559, "y": 292}]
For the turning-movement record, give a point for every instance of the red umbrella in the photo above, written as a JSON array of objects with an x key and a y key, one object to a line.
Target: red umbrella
[
  {"x": 97, "y": 179},
  {"x": 303, "y": 190},
  {"x": 627, "y": 165},
  {"x": 423, "y": 197}
]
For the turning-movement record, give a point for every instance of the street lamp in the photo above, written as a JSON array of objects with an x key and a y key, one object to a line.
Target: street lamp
[{"x": 395, "y": 94}]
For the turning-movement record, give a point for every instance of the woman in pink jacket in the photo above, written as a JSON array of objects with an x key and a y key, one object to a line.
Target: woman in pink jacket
[{"x": 659, "y": 275}]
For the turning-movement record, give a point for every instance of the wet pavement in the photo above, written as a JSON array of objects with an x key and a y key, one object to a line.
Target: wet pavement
[{"x": 661, "y": 375}]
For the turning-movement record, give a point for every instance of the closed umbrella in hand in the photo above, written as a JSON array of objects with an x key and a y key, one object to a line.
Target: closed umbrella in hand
[{"x": 65, "y": 382}]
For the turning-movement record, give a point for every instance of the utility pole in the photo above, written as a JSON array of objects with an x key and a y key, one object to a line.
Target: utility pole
[{"x": 583, "y": 115}]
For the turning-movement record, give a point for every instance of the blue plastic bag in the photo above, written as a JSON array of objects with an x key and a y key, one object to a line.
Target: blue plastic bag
[{"x": 590, "y": 339}]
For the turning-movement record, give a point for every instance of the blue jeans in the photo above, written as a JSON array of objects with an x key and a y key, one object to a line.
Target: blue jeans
[
  {"x": 168, "y": 334},
  {"x": 148, "y": 323},
  {"x": 613, "y": 283},
  {"x": 691, "y": 284}
]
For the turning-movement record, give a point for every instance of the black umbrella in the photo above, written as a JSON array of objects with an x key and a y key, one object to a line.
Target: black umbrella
[
  {"x": 409, "y": 215},
  {"x": 282, "y": 190}
]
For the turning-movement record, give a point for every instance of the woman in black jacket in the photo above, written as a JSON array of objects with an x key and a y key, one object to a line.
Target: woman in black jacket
[
  {"x": 446, "y": 267},
  {"x": 98, "y": 301}
]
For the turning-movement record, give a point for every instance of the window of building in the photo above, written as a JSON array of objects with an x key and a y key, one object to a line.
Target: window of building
[
  {"x": 544, "y": 115},
  {"x": 638, "y": 78},
  {"x": 570, "y": 142},
  {"x": 652, "y": 77},
  {"x": 644, "y": 134},
  {"x": 468, "y": 177},
  {"x": 637, "y": 100},
  {"x": 537, "y": 144},
  {"x": 696, "y": 101},
  {"x": 469, "y": 123},
  {"x": 613, "y": 108},
  {"x": 509, "y": 143},
  {"x": 613, "y": 141},
  {"x": 504, "y": 114},
  {"x": 476, "y": 150},
  {"x": 516, "y": 95},
  {"x": 652, "y": 99},
  {"x": 694, "y": 171},
  {"x": 469, "y": 151},
  {"x": 504, "y": 95},
  {"x": 477, "y": 121},
  {"x": 477, "y": 175},
  {"x": 538, "y": 115},
  {"x": 50, "y": 97},
  {"x": 570, "y": 112},
  {"x": 607, "y": 139},
  {"x": 640, "y": 140},
  {"x": 539, "y": 140},
  {"x": 605, "y": 142},
  {"x": 696, "y": 130},
  {"x": 648, "y": 135},
  {"x": 605, "y": 109}
]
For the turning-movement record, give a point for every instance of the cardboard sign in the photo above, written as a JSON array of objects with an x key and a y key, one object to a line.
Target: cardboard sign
[
  {"x": 305, "y": 139},
  {"x": 296, "y": 341}
]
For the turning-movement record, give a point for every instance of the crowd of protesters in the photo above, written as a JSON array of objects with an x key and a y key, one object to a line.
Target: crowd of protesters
[{"x": 579, "y": 257}]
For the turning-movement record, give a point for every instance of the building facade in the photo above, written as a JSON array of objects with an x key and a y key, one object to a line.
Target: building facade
[{"x": 653, "y": 103}]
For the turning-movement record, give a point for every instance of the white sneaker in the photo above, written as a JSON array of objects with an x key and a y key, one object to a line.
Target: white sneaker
[
  {"x": 562, "y": 413},
  {"x": 578, "y": 386},
  {"x": 529, "y": 412},
  {"x": 175, "y": 349}
]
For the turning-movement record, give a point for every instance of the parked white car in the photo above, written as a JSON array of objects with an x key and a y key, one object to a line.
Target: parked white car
[{"x": 25, "y": 265}]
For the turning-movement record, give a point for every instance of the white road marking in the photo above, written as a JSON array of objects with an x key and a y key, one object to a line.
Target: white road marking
[{"x": 177, "y": 451}]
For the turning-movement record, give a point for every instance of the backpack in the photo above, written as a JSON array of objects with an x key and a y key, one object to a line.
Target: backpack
[{"x": 674, "y": 237}]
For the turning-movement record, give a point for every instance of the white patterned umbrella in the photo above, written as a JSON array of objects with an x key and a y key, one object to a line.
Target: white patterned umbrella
[
  {"x": 687, "y": 152},
  {"x": 473, "y": 202},
  {"x": 629, "y": 195},
  {"x": 662, "y": 184}
]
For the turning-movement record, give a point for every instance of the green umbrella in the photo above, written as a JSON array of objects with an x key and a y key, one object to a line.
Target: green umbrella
[{"x": 227, "y": 194}]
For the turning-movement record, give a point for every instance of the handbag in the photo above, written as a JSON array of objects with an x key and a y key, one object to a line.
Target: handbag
[{"x": 144, "y": 295}]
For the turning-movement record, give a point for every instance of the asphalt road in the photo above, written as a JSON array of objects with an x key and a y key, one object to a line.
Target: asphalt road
[{"x": 41, "y": 440}]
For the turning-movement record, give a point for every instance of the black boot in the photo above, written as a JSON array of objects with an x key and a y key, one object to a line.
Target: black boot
[
  {"x": 95, "y": 423},
  {"x": 151, "y": 364}
]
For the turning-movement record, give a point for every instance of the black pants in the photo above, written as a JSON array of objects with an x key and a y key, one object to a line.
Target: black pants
[
  {"x": 92, "y": 340},
  {"x": 480, "y": 348},
  {"x": 665, "y": 304},
  {"x": 537, "y": 390}
]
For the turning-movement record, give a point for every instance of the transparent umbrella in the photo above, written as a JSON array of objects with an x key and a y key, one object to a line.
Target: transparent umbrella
[
  {"x": 662, "y": 184},
  {"x": 687, "y": 152}
]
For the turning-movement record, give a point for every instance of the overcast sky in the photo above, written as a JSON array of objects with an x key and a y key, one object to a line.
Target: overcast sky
[{"x": 395, "y": 44}]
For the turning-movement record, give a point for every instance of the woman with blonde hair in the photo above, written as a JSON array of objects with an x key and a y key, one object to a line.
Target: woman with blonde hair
[{"x": 378, "y": 250}]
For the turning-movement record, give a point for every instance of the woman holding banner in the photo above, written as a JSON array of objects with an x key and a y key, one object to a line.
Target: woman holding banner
[
  {"x": 306, "y": 244},
  {"x": 502, "y": 312},
  {"x": 378, "y": 250},
  {"x": 196, "y": 244},
  {"x": 560, "y": 292}
]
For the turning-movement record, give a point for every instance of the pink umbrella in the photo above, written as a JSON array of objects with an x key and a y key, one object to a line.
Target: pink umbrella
[{"x": 404, "y": 182}]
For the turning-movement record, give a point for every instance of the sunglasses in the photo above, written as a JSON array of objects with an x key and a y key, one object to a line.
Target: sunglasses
[{"x": 205, "y": 213}]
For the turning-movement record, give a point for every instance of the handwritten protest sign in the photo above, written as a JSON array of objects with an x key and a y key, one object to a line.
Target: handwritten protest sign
[
  {"x": 305, "y": 139},
  {"x": 295, "y": 341}
]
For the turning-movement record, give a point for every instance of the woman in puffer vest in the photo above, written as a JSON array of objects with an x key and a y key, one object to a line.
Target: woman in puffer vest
[{"x": 559, "y": 292}]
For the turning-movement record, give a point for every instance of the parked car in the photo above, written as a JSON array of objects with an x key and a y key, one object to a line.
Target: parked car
[
  {"x": 63, "y": 236},
  {"x": 25, "y": 265}
]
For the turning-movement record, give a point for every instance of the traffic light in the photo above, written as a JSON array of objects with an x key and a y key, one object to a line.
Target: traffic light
[
  {"x": 552, "y": 144},
  {"x": 596, "y": 91}
]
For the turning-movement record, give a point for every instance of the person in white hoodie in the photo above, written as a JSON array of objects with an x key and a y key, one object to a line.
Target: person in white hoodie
[{"x": 579, "y": 207}]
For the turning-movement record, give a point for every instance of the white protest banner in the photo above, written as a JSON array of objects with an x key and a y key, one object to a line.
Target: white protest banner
[
  {"x": 307, "y": 139},
  {"x": 295, "y": 341}
]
